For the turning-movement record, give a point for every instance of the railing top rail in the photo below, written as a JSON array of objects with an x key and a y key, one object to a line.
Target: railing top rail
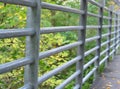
[{"x": 28, "y": 3}]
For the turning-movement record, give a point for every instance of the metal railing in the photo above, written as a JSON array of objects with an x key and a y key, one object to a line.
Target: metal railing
[{"x": 33, "y": 31}]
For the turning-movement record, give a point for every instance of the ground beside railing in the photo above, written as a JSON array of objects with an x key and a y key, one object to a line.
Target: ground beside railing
[{"x": 110, "y": 78}]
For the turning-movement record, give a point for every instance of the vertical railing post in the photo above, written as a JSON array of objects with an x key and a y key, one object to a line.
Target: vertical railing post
[
  {"x": 81, "y": 37},
  {"x": 32, "y": 45},
  {"x": 115, "y": 34},
  {"x": 109, "y": 31},
  {"x": 100, "y": 22},
  {"x": 119, "y": 25},
  {"x": 117, "y": 30}
]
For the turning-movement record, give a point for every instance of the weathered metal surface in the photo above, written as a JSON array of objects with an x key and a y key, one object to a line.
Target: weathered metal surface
[
  {"x": 8, "y": 33},
  {"x": 32, "y": 45},
  {"x": 14, "y": 64},
  {"x": 60, "y": 29},
  {"x": 61, "y": 8},
  {"x": 20, "y": 2},
  {"x": 81, "y": 37}
]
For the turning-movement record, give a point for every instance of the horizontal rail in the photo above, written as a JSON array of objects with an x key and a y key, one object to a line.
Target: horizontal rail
[
  {"x": 104, "y": 43},
  {"x": 57, "y": 50},
  {"x": 59, "y": 69},
  {"x": 61, "y": 8},
  {"x": 105, "y": 17},
  {"x": 105, "y": 8},
  {"x": 115, "y": 19},
  {"x": 117, "y": 47},
  {"x": 103, "y": 60},
  {"x": 112, "y": 39},
  {"x": 113, "y": 33},
  {"x": 112, "y": 52},
  {"x": 95, "y": 3},
  {"x": 94, "y": 15},
  {"x": 61, "y": 86},
  {"x": 90, "y": 62},
  {"x": 88, "y": 75},
  {"x": 14, "y": 64},
  {"x": 106, "y": 26},
  {"x": 115, "y": 25},
  {"x": 92, "y": 27},
  {"x": 117, "y": 42},
  {"x": 8, "y": 33},
  {"x": 20, "y": 2},
  {"x": 104, "y": 35},
  {"x": 92, "y": 38},
  {"x": 112, "y": 45},
  {"x": 91, "y": 50},
  {"x": 103, "y": 52},
  {"x": 76, "y": 86},
  {"x": 59, "y": 29}
]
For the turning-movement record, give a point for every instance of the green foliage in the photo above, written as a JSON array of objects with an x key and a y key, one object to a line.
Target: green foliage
[
  {"x": 12, "y": 16},
  {"x": 11, "y": 49}
]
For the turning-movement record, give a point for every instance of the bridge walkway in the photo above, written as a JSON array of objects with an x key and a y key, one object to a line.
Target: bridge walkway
[{"x": 110, "y": 78}]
